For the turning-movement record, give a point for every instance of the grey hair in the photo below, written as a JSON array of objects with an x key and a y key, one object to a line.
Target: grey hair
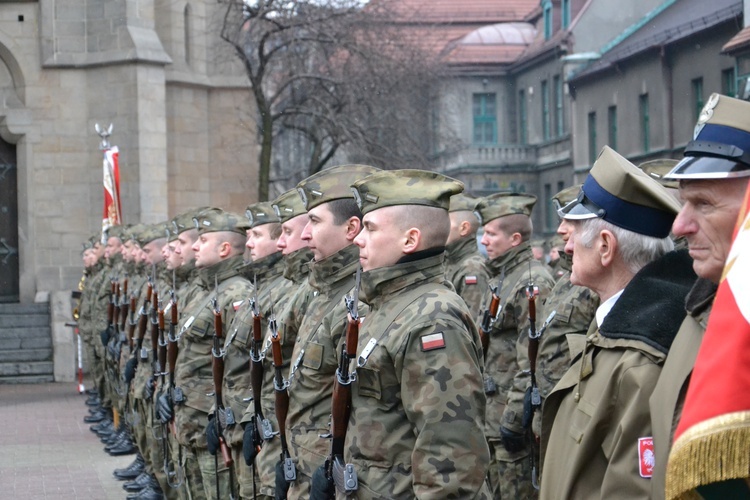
[{"x": 635, "y": 249}]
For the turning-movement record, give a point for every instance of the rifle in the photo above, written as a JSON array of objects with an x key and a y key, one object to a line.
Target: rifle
[
  {"x": 142, "y": 320},
  {"x": 132, "y": 322},
  {"x": 217, "y": 369},
  {"x": 535, "y": 399},
  {"x": 256, "y": 375},
  {"x": 491, "y": 313},
  {"x": 174, "y": 474},
  {"x": 125, "y": 304},
  {"x": 340, "y": 473},
  {"x": 281, "y": 387}
]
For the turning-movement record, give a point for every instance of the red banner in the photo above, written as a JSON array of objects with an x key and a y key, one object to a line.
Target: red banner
[{"x": 112, "y": 215}]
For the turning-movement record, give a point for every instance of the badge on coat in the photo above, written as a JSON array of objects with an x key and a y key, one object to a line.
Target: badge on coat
[
  {"x": 646, "y": 456},
  {"x": 432, "y": 341},
  {"x": 236, "y": 305},
  {"x": 470, "y": 280}
]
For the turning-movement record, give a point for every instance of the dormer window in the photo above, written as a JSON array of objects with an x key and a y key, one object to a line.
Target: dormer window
[{"x": 547, "y": 18}]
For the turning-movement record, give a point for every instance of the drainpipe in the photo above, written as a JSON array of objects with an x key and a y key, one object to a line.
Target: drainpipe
[{"x": 667, "y": 78}]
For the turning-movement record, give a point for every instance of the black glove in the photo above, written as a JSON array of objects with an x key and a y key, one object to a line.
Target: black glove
[
  {"x": 281, "y": 485},
  {"x": 129, "y": 372},
  {"x": 212, "y": 435},
  {"x": 164, "y": 408},
  {"x": 148, "y": 390},
  {"x": 322, "y": 488},
  {"x": 512, "y": 441},
  {"x": 249, "y": 442},
  {"x": 104, "y": 336}
]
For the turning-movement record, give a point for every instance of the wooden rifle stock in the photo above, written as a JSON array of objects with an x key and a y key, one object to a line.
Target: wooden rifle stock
[
  {"x": 256, "y": 369},
  {"x": 217, "y": 370},
  {"x": 490, "y": 314},
  {"x": 125, "y": 304},
  {"x": 281, "y": 388},
  {"x": 142, "y": 321},
  {"x": 533, "y": 337},
  {"x": 155, "y": 328},
  {"x": 341, "y": 402}
]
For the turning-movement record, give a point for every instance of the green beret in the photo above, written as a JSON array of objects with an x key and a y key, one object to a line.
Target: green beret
[
  {"x": 618, "y": 192},
  {"x": 261, "y": 213},
  {"x": 499, "y": 205},
  {"x": 721, "y": 142},
  {"x": 215, "y": 219},
  {"x": 151, "y": 233},
  {"x": 288, "y": 205},
  {"x": 331, "y": 184},
  {"x": 463, "y": 202},
  {"x": 388, "y": 188},
  {"x": 657, "y": 169}
]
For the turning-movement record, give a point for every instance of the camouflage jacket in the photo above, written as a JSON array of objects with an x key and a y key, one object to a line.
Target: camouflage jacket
[
  {"x": 146, "y": 356},
  {"x": 574, "y": 308},
  {"x": 297, "y": 265},
  {"x": 275, "y": 295},
  {"x": 595, "y": 420},
  {"x": 668, "y": 398},
  {"x": 559, "y": 267},
  {"x": 464, "y": 267},
  {"x": 319, "y": 336},
  {"x": 103, "y": 294},
  {"x": 88, "y": 302},
  {"x": 416, "y": 428},
  {"x": 267, "y": 273},
  {"x": 193, "y": 372},
  {"x": 507, "y": 353},
  {"x": 188, "y": 285}
]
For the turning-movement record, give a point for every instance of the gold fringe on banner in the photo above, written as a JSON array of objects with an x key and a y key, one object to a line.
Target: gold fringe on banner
[{"x": 712, "y": 451}]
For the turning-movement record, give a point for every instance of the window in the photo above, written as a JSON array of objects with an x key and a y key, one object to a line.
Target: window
[
  {"x": 645, "y": 122},
  {"x": 558, "y": 89},
  {"x": 729, "y": 82},
  {"x": 593, "y": 151},
  {"x": 565, "y": 12},
  {"x": 697, "y": 85},
  {"x": 560, "y": 186},
  {"x": 485, "y": 119},
  {"x": 612, "y": 127},
  {"x": 547, "y": 16},
  {"x": 523, "y": 121},
  {"x": 187, "y": 33},
  {"x": 545, "y": 111},
  {"x": 551, "y": 217}
]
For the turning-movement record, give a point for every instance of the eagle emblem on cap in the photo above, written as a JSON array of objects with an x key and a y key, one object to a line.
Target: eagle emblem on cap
[{"x": 706, "y": 113}]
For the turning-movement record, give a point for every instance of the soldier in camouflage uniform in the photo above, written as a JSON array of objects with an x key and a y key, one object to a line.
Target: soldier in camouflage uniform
[
  {"x": 507, "y": 230},
  {"x": 95, "y": 275},
  {"x": 574, "y": 308},
  {"x": 556, "y": 263},
  {"x": 265, "y": 271},
  {"x": 416, "y": 428},
  {"x": 333, "y": 222},
  {"x": 275, "y": 295},
  {"x": 151, "y": 240},
  {"x": 464, "y": 265},
  {"x": 218, "y": 255}
]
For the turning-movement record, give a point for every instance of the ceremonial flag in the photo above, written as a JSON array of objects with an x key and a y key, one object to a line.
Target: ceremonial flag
[
  {"x": 112, "y": 210},
  {"x": 712, "y": 440}
]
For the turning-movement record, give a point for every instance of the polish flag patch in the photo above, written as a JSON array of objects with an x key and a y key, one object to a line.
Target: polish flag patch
[
  {"x": 432, "y": 342},
  {"x": 646, "y": 456},
  {"x": 236, "y": 305},
  {"x": 470, "y": 280}
]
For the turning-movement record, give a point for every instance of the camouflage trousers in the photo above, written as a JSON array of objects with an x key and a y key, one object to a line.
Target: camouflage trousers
[
  {"x": 210, "y": 475},
  {"x": 140, "y": 430},
  {"x": 192, "y": 483},
  {"x": 301, "y": 487},
  {"x": 158, "y": 439},
  {"x": 510, "y": 474},
  {"x": 247, "y": 478}
]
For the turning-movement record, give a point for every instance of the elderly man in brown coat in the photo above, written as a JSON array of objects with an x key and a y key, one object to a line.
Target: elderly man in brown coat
[{"x": 596, "y": 425}]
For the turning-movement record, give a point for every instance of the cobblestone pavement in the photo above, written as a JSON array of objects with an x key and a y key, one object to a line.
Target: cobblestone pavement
[{"x": 46, "y": 451}]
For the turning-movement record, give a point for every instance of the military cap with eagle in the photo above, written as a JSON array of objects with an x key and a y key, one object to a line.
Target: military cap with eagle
[
  {"x": 331, "y": 184},
  {"x": 721, "y": 142},
  {"x": 216, "y": 220},
  {"x": 389, "y": 188},
  {"x": 288, "y": 205},
  {"x": 503, "y": 204},
  {"x": 261, "y": 213}
]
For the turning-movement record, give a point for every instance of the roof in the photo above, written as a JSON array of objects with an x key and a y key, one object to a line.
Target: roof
[
  {"x": 672, "y": 21},
  {"x": 493, "y": 44},
  {"x": 738, "y": 42},
  {"x": 464, "y": 11}
]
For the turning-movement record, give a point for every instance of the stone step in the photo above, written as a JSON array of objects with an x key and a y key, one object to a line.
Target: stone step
[
  {"x": 23, "y": 320},
  {"x": 27, "y": 379},
  {"x": 26, "y": 368},
  {"x": 25, "y": 342},
  {"x": 25, "y": 333},
  {"x": 36, "y": 308},
  {"x": 16, "y": 355}
]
